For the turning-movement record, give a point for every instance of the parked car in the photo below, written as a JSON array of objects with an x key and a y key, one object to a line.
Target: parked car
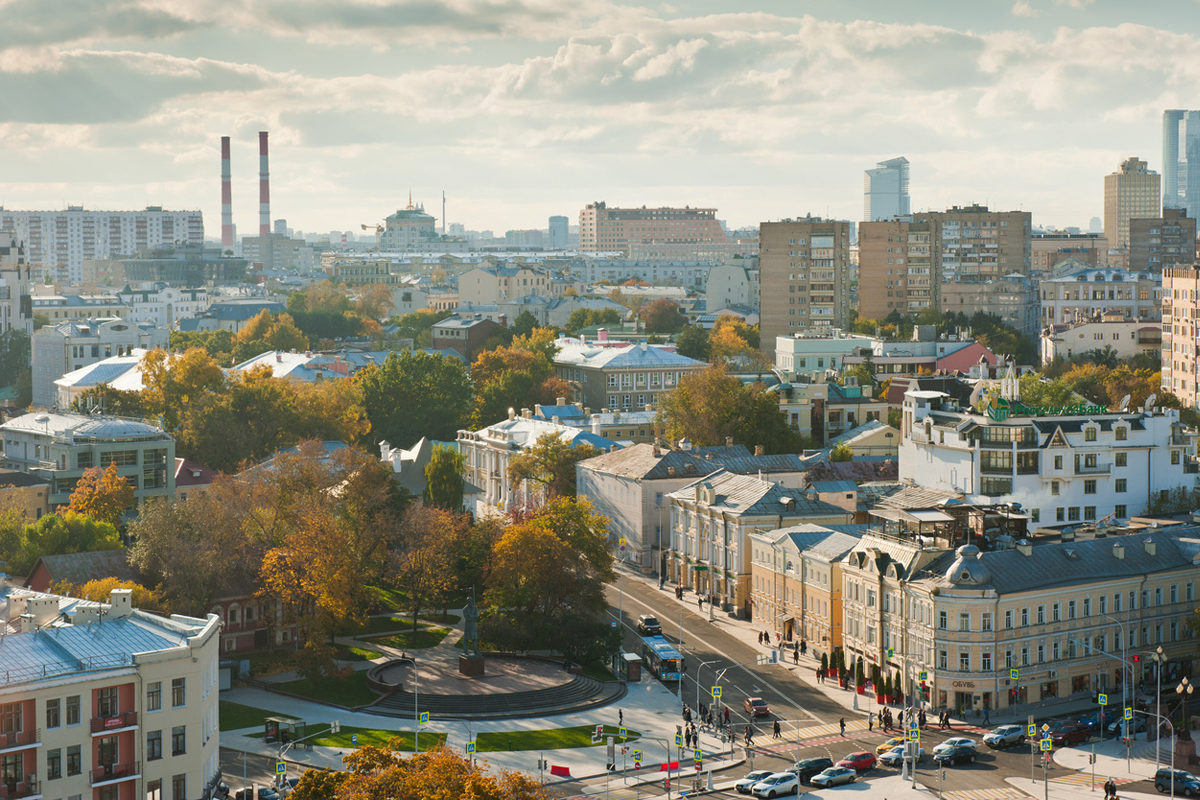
[
  {"x": 1068, "y": 734},
  {"x": 1096, "y": 723},
  {"x": 1004, "y": 736},
  {"x": 889, "y": 745},
  {"x": 860, "y": 762},
  {"x": 1119, "y": 727},
  {"x": 648, "y": 625},
  {"x": 955, "y": 754},
  {"x": 804, "y": 770},
  {"x": 955, "y": 741},
  {"x": 757, "y": 707},
  {"x": 1186, "y": 784},
  {"x": 775, "y": 784},
  {"x": 834, "y": 776},
  {"x": 745, "y": 784},
  {"x": 895, "y": 757}
]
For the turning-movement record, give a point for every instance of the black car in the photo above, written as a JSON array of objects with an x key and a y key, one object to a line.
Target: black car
[
  {"x": 804, "y": 770},
  {"x": 1186, "y": 784},
  {"x": 955, "y": 755},
  {"x": 648, "y": 625}
]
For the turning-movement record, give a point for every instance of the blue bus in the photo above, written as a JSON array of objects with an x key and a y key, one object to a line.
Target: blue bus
[{"x": 661, "y": 658}]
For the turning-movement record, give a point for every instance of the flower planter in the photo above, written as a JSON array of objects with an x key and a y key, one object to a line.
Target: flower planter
[
  {"x": 842, "y": 682},
  {"x": 887, "y": 699},
  {"x": 862, "y": 689},
  {"x": 879, "y": 699}
]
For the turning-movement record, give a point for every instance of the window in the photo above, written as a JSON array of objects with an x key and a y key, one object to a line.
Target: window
[
  {"x": 1121, "y": 433},
  {"x": 1054, "y": 613},
  {"x": 154, "y": 696},
  {"x": 106, "y": 751},
  {"x": 73, "y": 710},
  {"x": 106, "y": 702},
  {"x": 986, "y": 664},
  {"x": 154, "y": 790},
  {"x": 1054, "y": 487},
  {"x": 1008, "y": 618},
  {"x": 1116, "y": 602},
  {"x": 1120, "y": 459},
  {"x": 1174, "y": 456},
  {"x": 1119, "y": 510},
  {"x": 1008, "y": 659},
  {"x": 1058, "y": 462},
  {"x": 179, "y": 740},
  {"x": 1060, "y": 514},
  {"x": 1041, "y": 618},
  {"x": 1024, "y": 656},
  {"x": 1089, "y": 434},
  {"x": 53, "y": 764},
  {"x": 153, "y": 745},
  {"x": 964, "y": 661},
  {"x": 1024, "y": 617},
  {"x": 986, "y": 621},
  {"x": 74, "y": 760},
  {"x": 1158, "y": 595},
  {"x": 1073, "y": 513},
  {"x": 942, "y": 659},
  {"x": 1188, "y": 592},
  {"x": 1103, "y": 604},
  {"x": 53, "y": 713},
  {"x": 1089, "y": 486},
  {"x": 942, "y": 623},
  {"x": 122, "y": 458},
  {"x": 1041, "y": 653},
  {"x": 1121, "y": 483},
  {"x": 1087, "y": 606},
  {"x": 1070, "y": 609},
  {"x": 964, "y": 621},
  {"x": 179, "y": 787},
  {"x": 1057, "y": 650},
  {"x": 178, "y": 692}
]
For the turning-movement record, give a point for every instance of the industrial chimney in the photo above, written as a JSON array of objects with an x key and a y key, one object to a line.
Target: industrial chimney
[
  {"x": 226, "y": 197},
  {"x": 264, "y": 188}
]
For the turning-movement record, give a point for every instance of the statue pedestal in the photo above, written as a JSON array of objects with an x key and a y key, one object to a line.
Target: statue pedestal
[
  {"x": 471, "y": 666},
  {"x": 1185, "y": 753}
]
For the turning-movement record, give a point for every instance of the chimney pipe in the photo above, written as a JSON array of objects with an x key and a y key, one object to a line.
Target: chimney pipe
[
  {"x": 226, "y": 196},
  {"x": 264, "y": 188}
]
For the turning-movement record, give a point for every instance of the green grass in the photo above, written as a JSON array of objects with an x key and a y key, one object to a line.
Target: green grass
[
  {"x": 270, "y": 662},
  {"x": 343, "y": 653},
  {"x": 374, "y": 736},
  {"x": 397, "y": 622},
  {"x": 348, "y": 691},
  {"x": 383, "y": 599},
  {"x": 413, "y": 640},
  {"x": 236, "y": 715},
  {"x": 597, "y": 670},
  {"x": 547, "y": 739}
]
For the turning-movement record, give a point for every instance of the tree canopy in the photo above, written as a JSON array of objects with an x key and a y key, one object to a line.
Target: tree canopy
[
  {"x": 102, "y": 495},
  {"x": 550, "y": 463},
  {"x": 415, "y": 394},
  {"x": 444, "y": 479},
  {"x": 21, "y": 545},
  {"x": 708, "y": 406},
  {"x": 662, "y": 316}
]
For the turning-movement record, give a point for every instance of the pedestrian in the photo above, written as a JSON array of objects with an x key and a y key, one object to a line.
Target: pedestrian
[
  {"x": 1110, "y": 789},
  {"x": 870, "y": 721},
  {"x": 620, "y": 718},
  {"x": 803, "y": 647},
  {"x": 987, "y": 719},
  {"x": 842, "y": 725},
  {"x": 746, "y": 735},
  {"x": 820, "y": 676},
  {"x": 795, "y": 656},
  {"x": 921, "y": 719},
  {"x": 726, "y": 715},
  {"x": 776, "y": 732}
]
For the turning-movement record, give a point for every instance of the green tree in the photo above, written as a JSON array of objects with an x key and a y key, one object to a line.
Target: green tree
[
  {"x": 662, "y": 316},
  {"x": 524, "y": 324},
  {"x": 65, "y": 532},
  {"x": 267, "y": 332},
  {"x": 841, "y": 453},
  {"x": 550, "y": 463},
  {"x": 692, "y": 342},
  {"x": 444, "y": 478},
  {"x": 413, "y": 394},
  {"x": 708, "y": 406}
]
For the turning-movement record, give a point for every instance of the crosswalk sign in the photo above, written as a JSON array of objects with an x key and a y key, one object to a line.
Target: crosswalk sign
[
  {"x": 1014, "y": 674},
  {"x": 1103, "y": 698},
  {"x": 470, "y": 747},
  {"x": 923, "y": 675},
  {"x": 914, "y": 734},
  {"x": 281, "y": 768},
  {"x": 891, "y": 652},
  {"x": 1129, "y": 713},
  {"x": 697, "y": 755},
  {"x": 623, "y": 733},
  {"x": 679, "y": 740},
  {"x": 424, "y": 717},
  {"x": 637, "y": 755},
  {"x": 1031, "y": 730},
  {"x": 1046, "y": 745},
  {"x": 716, "y": 691}
]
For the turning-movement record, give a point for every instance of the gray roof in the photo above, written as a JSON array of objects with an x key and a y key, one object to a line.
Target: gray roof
[
  {"x": 640, "y": 462},
  {"x": 820, "y": 541},
  {"x": 79, "y": 568},
  {"x": 82, "y": 426},
  {"x": 749, "y": 495}
]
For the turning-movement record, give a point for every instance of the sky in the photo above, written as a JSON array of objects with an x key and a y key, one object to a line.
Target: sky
[{"x": 520, "y": 109}]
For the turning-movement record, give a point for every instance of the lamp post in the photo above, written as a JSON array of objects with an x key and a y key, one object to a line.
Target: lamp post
[
  {"x": 1124, "y": 683},
  {"x": 703, "y": 664},
  {"x": 1184, "y": 690},
  {"x": 1159, "y": 658}
]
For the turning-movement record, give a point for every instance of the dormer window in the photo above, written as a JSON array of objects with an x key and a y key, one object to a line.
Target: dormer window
[
  {"x": 1121, "y": 433},
  {"x": 1089, "y": 433}
]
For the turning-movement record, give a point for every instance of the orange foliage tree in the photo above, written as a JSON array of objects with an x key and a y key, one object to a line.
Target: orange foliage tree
[{"x": 102, "y": 495}]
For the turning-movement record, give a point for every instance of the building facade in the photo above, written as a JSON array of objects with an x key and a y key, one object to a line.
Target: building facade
[
  {"x": 1090, "y": 293},
  {"x": 1127, "y": 338},
  {"x": 1181, "y": 160},
  {"x": 671, "y": 233},
  {"x": 558, "y": 232},
  {"x": 16, "y": 305},
  {"x": 1012, "y": 298},
  {"x": 1162, "y": 241},
  {"x": 885, "y": 190},
  {"x": 67, "y": 346},
  {"x": 1132, "y": 192},
  {"x": 975, "y": 243},
  {"x": 60, "y": 447},
  {"x": 620, "y": 376},
  {"x": 102, "y": 700},
  {"x": 410, "y": 228},
  {"x": 497, "y": 284},
  {"x": 1048, "y": 248},
  {"x": 898, "y": 269},
  {"x": 804, "y": 275},
  {"x": 1181, "y": 333}
]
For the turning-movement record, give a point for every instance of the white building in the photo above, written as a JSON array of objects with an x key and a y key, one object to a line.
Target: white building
[
  {"x": 1072, "y": 465},
  {"x": 1127, "y": 337},
  {"x": 66, "y": 238},
  {"x": 814, "y": 352},
  {"x": 1087, "y": 293},
  {"x": 731, "y": 284},
  {"x": 163, "y": 306},
  {"x": 616, "y": 270},
  {"x": 16, "y": 311},
  {"x": 67, "y": 346},
  {"x": 496, "y": 284},
  {"x": 102, "y": 700}
]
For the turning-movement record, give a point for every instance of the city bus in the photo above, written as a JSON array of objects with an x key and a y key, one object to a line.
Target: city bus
[{"x": 661, "y": 658}]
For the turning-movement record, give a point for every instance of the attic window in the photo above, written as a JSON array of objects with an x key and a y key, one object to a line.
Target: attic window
[{"x": 965, "y": 576}]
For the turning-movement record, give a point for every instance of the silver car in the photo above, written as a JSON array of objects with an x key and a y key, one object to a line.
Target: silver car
[
  {"x": 1004, "y": 736},
  {"x": 834, "y": 776}
]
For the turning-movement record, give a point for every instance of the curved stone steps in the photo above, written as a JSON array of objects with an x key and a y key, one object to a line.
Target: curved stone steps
[{"x": 578, "y": 694}]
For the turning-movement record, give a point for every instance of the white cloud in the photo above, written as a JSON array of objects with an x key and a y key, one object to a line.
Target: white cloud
[{"x": 1022, "y": 8}]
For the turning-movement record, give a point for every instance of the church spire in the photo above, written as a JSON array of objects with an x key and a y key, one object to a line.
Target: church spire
[{"x": 410, "y": 205}]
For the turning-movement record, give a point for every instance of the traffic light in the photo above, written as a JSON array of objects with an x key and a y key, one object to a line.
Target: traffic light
[
  {"x": 1136, "y": 659},
  {"x": 924, "y": 691}
]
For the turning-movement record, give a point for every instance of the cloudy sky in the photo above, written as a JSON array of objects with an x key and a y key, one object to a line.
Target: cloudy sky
[{"x": 524, "y": 108}]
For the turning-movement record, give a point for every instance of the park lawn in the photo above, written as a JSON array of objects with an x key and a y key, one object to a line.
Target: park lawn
[
  {"x": 413, "y": 640},
  {"x": 236, "y": 715},
  {"x": 349, "y": 691},
  {"x": 378, "y": 738},
  {"x": 343, "y": 653},
  {"x": 387, "y": 599},
  {"x": 546, "y": 739},
  {"x": 597, "y": 670}
]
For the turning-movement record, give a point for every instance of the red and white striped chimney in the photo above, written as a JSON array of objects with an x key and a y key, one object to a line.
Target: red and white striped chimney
[
  {"x": 264, "y": 188},
  {"x": 226, "y": 196}
]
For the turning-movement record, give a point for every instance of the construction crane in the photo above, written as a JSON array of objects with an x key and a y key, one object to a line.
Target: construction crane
[{"x": 377, "y": 228}]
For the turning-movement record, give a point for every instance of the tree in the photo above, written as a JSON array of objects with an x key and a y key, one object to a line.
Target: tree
[
  {"x": 550, "y": 462},
  {"x": 100, "y": 589},
  {"x": 841, "y": 453},
  {"x": 104, "y": 399},
  {"x": 376, "y": 773},
  {"x": 102, "y": 495},
  {"x": 524, "y": 324},
  {"x": 218, "y": 343},
  {"x": 444, "y": 479},
  {"x": 60, "y": 533},
  {"x": 662, "y": 316},
  {"x": 589, "y": 317},
  {"x": 708, "y": 406},
  {"x": 692, "y": 342},
  {"x": 424, "y": 568},
  {"x": 517, "y": 376},
  {"x": 318, "y": 784},
  {"x": 415, "y": 394},
  {"x": 266, "y": 332}
]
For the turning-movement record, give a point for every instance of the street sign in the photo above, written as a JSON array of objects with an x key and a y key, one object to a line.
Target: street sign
[
  {"x": 470, "y": 747},
  {"x": 424, "y": 717},
  {"x": 923, "y": 675},
  {"x": 623, "y": 733},
  {"x": 1103, "y": 698},
  {"x": 914, "y": 734},
  {"x": 281, "y": 768},
  {"x": 1031, "y": 731},
  {"x": 679, "y": 740},
  {"x": 1045, "y": 727},
  {"x": 637, "y": 765},
  {"x": 1046, "y": 745},
  {"x": 1013, "y": 674},
  {"x": 613, "y": 624},
  {"x": 354, "y": 739},
  {"x": 697, "y": 755},
  {"x": 891, "y": 652},
  {"x": 637, "y": 755},
  {"x": 700, "y": 567},
  {"x": 716, "y": 691},
  {"x": 1129, "y": 713}
]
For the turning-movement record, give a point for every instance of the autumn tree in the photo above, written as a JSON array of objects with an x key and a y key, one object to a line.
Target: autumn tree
[
  {"x": 268, "y": 331},
  {"x": 104, "y": 399},
  {"x": 375, "y": 773},
  {"x": 693, "y": 342},
  {"x": 100, "y": 589},
  {"x": 550, "y": 463},
  {"x": 662, "y": 316},
  {"x": 520, "y": 375},
  {"x": 414, "y": 394},
  {"x": 217, "y": 343},
  {"x": 733, "y": 341},
  {"x": 424, "y": 564},
  {"x": 708, "y": 406},
  {"x": 444, "y": 479},
  {"x": 57, "y": 534},
  {"x": 102, "y": 495}
]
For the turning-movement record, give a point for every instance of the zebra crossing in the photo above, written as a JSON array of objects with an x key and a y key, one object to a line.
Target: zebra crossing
[
  {"x": 1085, "y": 779},
  {"x": 994, "y": 793}
]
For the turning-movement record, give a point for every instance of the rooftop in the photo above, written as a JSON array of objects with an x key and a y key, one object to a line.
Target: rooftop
[{"x": 81, "y": 428}]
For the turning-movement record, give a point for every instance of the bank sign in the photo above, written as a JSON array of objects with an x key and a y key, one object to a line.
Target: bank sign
[{"x": 1001, "y": 409}]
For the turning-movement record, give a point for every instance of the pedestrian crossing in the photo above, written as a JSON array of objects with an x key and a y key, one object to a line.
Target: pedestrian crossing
[
  {"x": 995, "y": 793},
  {"x": 1085, "y": 779}
]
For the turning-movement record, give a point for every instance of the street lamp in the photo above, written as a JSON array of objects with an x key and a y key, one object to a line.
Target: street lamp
[
  {"x": 703, "y": 664},
  {"x": 1159, "y": 658},
  {"x": 1184, "y": 690},
  {"x": 1124, "y": 682}
]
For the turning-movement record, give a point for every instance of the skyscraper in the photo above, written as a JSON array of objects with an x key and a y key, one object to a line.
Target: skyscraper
[
  {"x": 804, "y": 275},
  {"x": 1132, "y": 192},
  {"x": 1181, "y": 160},
  {"x": 885, "y": 190},
  {"x": 559, "y": 226}
]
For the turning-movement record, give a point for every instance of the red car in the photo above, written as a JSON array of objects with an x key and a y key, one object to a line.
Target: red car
[
  {"x": 1068, "y": 734},
  {"x": 757, "y": 707},
  {"x": 859, "y": 762}
]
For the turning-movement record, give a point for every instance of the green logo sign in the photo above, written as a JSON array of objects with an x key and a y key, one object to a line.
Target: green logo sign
[{"x": 1001, "y": 409}]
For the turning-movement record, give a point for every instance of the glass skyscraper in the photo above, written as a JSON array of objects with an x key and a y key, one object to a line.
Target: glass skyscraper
[
  {"x": 1181, "y": 160},
  {"x": 885, "y": 190}
]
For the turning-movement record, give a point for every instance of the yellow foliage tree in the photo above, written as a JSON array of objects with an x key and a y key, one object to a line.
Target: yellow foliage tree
[
  {"x": 102, "y": 495},
  {"x": 100, "y": 589},
  {"x": 375, "y": 773}
]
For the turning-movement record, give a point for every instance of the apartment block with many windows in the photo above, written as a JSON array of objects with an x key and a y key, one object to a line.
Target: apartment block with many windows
[
  {"x": 804, "y": 275},
  {"x": 101, "y": 700}
]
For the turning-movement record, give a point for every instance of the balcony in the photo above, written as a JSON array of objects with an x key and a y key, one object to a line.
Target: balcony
[
  {"x": 1095, "y": 469},
  {"x": 122, "y": 721},
  {"x": 106, "y": 774},
  {"x": 20, "y": 740},
  {"x": 22, "y": 789}
]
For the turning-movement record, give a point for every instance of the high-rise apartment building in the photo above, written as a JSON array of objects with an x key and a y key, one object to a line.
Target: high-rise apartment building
[
  {"x": 652, "y": 232},
  {"x": 1181, "y": 333},
  {"x": 804, "y": 275},
  {"x": 1161, "y": 242},
  {"x": 974, "y": 243},
  {"x": 1053, "y": 247},
  {"x": 559, "y": 230},
  {"x": 1129, "y": 193},
  {"x": 66, "y": 238},
  {"x": 895, "y": 268},
  {"x": 16, "y": 306},
  {"x": 1181, "y": 160},
  {"x": 885, "y": 190}
]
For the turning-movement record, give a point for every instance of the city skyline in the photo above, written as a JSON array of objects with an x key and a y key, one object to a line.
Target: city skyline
[{"x": 533, "y": 108}]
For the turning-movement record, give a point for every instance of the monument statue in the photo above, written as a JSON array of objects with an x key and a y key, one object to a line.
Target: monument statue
[{"x": 471, "y": 626}]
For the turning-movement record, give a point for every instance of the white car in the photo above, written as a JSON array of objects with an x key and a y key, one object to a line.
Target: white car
[
  {"x": 745, "y": 784},
  {"x": 956, "y": 741},
  {"x": 895, "y": 756},
  {"x": 775, "y": 784}
]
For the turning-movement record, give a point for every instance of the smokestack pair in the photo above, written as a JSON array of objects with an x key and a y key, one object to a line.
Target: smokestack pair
[{"x": 264, "y": 191}]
